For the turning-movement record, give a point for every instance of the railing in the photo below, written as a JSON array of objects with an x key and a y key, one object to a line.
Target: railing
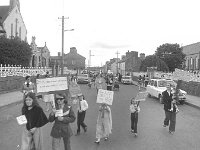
[{"x": 13, "y": 70}]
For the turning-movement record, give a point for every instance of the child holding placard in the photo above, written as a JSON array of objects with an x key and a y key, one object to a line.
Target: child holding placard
[
  {"x": 63, "y": 115},
  {"x": 35, "y": 118},
  {"x": 134, "y": 109}
]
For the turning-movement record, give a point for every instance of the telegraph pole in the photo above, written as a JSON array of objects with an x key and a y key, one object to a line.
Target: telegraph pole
[
  {"x": 90, "y": 58},
  {"x": 62, "y": 60},
  {"x": 117, "y": 60}
]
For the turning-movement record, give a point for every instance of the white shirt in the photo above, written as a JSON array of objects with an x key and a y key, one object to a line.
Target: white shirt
[
  {"x": 84, "y": 105},
  {"x": 133, "y": 108}
]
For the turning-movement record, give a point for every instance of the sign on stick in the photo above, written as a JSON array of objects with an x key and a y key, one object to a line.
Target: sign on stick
[
  {"x": 141, "y": 96},
  {"x": 105, "y": 96},
  {"x": 74, "y": 89},
  {"x": 51, "y": 84}
]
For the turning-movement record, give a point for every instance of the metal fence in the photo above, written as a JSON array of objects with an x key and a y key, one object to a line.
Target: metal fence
[{"x": 13, "y": 70}]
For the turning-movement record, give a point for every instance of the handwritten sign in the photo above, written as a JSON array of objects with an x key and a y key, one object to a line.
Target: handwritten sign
[
  {"x": 21, "y": 120},
  {"x": 59, "y": 113},
  {"x": 74, "y": 89},
  {"x": 49, "y": 98},
  {"x": 105, "y": 96},
  {"x": 51, "y": 84},
  {"x": 141, "y": 96}
]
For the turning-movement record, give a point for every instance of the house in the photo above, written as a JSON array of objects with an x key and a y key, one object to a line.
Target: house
[
  {"x": 41, "y": 55},
  {"x": 121, "y": 65},
  {"x": 192, "y": 53},
  {"x": 12, "y": 21}
]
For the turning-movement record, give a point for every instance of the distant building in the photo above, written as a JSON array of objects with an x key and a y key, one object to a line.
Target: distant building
[
  {"x": 192, "y": 53},
  {"x": 12, "y": 21},
  {"x": 41, "y": 55}
]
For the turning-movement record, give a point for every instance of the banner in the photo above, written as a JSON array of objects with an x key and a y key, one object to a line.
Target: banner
[
  {"x": 74, "y": 89},
  {"x": 105, "y": 96},
  {"x": 141, "y": 96},
  {"x": 51, "y": 84}
]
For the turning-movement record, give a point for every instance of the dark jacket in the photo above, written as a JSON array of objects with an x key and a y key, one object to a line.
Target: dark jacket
[
  {"x": 167, "y": 99},
  {"x": 62, "y": 128}
]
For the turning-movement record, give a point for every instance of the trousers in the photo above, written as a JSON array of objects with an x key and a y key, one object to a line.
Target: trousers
[{"x": 170, "y": 119}]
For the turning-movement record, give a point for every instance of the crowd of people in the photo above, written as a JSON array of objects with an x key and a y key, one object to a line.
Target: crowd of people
[{"x": 36, "y": 119}]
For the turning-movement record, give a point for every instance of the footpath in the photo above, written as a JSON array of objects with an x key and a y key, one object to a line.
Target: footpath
[{"x": 13, "y": 98}]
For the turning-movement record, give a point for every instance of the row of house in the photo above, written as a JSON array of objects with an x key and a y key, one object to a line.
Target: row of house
[
  {"x": 13, "y": 26},
  {"x": 128, "y": 63}
]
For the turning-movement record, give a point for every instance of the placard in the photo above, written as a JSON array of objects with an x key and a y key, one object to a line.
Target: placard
[
  {"x": 105, "y": 96},
  {"x": 51, "y": 84},
  {"x": 21, "y": 120},
  {"x": 74, "y": 89},
  {"x": 141, "y": 96},
  {"x": 49, "y": 98},
  {"x": 59, "y": 113}
]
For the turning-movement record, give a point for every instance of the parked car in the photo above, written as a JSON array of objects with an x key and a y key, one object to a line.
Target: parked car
[
  {"x": 127, "y": 80},
  {"x": 83, "y": 78},
  {"x": 157, "y": 86}
]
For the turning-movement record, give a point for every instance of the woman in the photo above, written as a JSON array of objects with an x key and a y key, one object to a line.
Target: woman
[
  {"x": 104, "y": 123},
  {"x": 32, "y": 135},
  {"x": 61, "y": 127}
]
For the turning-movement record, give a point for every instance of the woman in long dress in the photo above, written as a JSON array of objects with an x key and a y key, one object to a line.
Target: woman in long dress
[{"x": 104, "y": 123}]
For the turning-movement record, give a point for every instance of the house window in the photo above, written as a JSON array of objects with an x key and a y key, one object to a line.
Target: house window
[
  {"x": 20, "y": 30},
  {"x": 11, "y": 30},
  {"x": 16, "y": 27},
  {"x": 196, "y": 62}
]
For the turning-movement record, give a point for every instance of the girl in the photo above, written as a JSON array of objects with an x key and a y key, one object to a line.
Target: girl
[
  {"x": 134, "y": 109},
  {"x": 63, "y": 116},
  {"x": 104, "y": 123},
  {"x": 32, "y": 135},
  {"x": 82, "y": 107}
]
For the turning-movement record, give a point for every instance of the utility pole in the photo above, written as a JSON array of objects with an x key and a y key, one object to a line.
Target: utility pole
[
  {"x": 90, "y": 58},
  {"x": 62, "y": 60},
  {"x": 117, "y": 60}
]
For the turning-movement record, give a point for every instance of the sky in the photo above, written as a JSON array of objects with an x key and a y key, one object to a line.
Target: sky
[{"x": 109, "y": 26}]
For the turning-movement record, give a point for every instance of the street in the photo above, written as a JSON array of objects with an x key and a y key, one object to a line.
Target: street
[{"x": 151, "y": 134}]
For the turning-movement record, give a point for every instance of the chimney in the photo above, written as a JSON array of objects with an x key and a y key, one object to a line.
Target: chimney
[{"x": 58, "y": 53}]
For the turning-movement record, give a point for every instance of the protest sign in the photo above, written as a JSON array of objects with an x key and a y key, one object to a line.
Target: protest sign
[
  {"x": 51, "y": 84},
  {"x": 105, "y": 96},
  {"x": 49, "y": 98},
  {"x": 59, "y": 113},
  {"x": 74, "y": 89},
  {"x": 141, "y": 96},
  {"x": 21, "y": 120}
]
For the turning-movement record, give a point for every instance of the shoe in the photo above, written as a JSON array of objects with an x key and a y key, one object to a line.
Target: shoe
[
  {"x": 164, "y": 125},
  {"x": 97, "y": 141},
  {"x": 85, "y": 129},
  {"x": 106, "y": 138},
  {"x": 135, "y": 134},
  {"x": 132, "y": 131},
  {"x": 171, "y": 132},
  {"x": 77, "y": 134}
]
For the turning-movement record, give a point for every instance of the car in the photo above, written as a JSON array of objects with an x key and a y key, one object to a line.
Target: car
[
  {"x": 127, "y": 80},
  {"x": 83, "y": 78},
  {"x": 157, "y": 86}
]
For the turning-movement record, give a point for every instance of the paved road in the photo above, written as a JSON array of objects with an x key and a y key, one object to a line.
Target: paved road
[{"x": 151, "y": 134}]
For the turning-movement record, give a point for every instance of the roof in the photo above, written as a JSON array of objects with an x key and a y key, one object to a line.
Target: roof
[
  {"x": 74, "y": 55},
  {"x": 4, "y": 11},
  {"x": 192, "y": 48}
]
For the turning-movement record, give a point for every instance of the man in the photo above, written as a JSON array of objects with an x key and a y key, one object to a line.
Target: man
[{"x": 170, "y": 116}]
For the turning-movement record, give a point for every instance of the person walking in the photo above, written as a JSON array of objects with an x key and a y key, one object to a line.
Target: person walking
[
  {"x": 62, "y": 116},
  {"x": 170, "y": 115},
  {"x": 82, "y": 107},
  {"x": 104, "y": 123},
  {"x": 32, "y": 133},
  {"x": 134, "y": 110},
  {"x": 28, "y": 86}
]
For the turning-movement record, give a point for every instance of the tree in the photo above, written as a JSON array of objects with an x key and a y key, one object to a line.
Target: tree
[
  {"x": 14, "y": 52},
  {"x": 153, "y": 61},
  {"x": 172, "y": 55}
]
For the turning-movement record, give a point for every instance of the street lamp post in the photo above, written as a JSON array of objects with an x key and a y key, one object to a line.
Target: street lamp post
[{"x": 62, "y": 60}]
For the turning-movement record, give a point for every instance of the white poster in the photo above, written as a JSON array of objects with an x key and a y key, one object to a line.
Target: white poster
[
  {"x": 105, "y": 96},
  {"x": 141, "y": 96},
  {"x": 21, "y": 120},
  {"x": 51, "y": 84},
  {"x": 49, "y": 98}
]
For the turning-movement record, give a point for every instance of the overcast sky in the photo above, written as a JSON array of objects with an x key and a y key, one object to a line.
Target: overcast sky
[{"x": 108, "y": 26}]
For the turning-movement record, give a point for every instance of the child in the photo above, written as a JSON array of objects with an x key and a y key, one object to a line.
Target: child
[
  {"x": 82, "y": 107},
  {"x": 134, "y": 109},
  {"x": 62, "y": 117}
]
